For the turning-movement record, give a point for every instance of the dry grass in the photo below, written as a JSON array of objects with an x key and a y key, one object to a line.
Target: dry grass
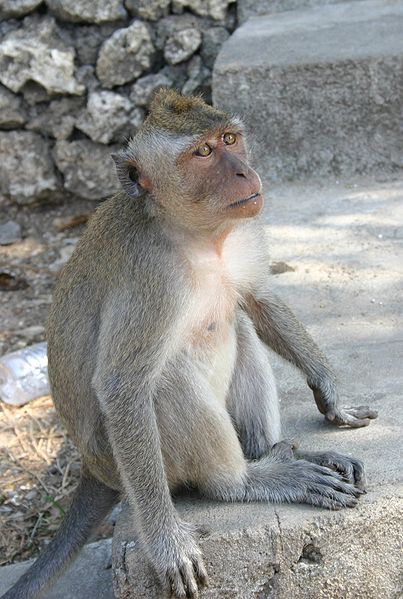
[{"x": 39, "y": 469}]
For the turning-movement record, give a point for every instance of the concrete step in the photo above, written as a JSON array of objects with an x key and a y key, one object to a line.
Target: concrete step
[
  {"x": 320, "y": 89},
  {"x": 255, "y": 8},
  {"x": 345, "y": 243}
]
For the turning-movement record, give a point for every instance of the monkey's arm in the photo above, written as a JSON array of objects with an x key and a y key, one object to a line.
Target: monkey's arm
[
  {"x": 277, "y": 326},
  {"x": 131, "y": 357}
]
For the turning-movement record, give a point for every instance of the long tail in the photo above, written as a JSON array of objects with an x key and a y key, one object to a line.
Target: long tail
[{"x": 91, "y": 503}]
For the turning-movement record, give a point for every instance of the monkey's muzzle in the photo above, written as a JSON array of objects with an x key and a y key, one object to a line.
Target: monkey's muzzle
[{"x": 250, "y": 198}]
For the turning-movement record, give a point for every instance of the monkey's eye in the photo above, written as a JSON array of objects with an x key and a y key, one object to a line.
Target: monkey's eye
[
  {"x": 229, "y": 138},
  {"x": 133, "y": 174},
  {"x": 204, "y": 150}
]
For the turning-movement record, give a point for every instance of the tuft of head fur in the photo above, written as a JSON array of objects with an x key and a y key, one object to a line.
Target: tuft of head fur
[{"x": 184, "y": 115}]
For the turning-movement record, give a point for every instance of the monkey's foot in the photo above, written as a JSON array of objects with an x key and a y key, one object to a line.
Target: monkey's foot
[
  {"x": 324, "y": 487},
  {"x": 351, "y": 469},
  {"x": 354, "y": 417},
  {"x": 179, "y": 564}
]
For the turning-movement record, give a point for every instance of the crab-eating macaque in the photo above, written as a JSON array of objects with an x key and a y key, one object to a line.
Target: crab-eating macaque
[{"x": 157, "y": 350}]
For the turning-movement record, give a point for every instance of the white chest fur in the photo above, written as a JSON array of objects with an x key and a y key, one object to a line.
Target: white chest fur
[{"x": 220, "y": 279}]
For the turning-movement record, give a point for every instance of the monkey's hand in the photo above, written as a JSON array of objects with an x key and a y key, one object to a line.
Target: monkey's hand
[
  {"x": 327, "y": 400},
  {"x": 179, "y": 563}
]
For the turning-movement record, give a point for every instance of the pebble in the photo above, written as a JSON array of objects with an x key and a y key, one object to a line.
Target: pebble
[
  {"x": 10, "y": 232},
  {"x": 31, "y": 495}
]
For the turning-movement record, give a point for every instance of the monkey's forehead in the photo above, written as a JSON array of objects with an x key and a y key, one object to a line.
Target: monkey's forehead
[{"x": 194, "y": 120}]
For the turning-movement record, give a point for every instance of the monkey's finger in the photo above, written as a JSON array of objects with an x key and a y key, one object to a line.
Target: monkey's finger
[
  {"x": 332, "y": 503},
  {"x": 344, "y": 418},
  {"x": 284, "y": 450},
  {"x": 353, "y": 422},
  {"x": 316, "y": 470},
  {"x": 338, "y": 463},
  {"x": 343, "y": 467},
  {"x": 200, "y": 571},
  {"x": 360, "y": 479},
  {"x": 361, "y": 412},
  {"x": 177, "y": 588},
  {"x": 335, "y": 479},
  {"x": 188, "y": 580},
  {"x": 329, "y": 486},
  {"x": 350, "y": 468}
]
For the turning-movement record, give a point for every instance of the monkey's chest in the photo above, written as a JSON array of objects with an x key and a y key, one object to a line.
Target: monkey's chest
[{"x": 212, "y": 340}]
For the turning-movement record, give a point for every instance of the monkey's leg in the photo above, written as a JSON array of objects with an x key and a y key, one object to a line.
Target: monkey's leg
[
  {"x": 253, "y": 405},
  {"x": 252, "y": 399},
  {"x": 200, "y": 446},
  {"x": 91, "y": 503}
]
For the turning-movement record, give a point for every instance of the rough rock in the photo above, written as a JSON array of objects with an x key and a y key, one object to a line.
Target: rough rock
[
  {"x": 89, "y": 577},
  {"x": 56, "y": 119},
  {"x": 213, "y": 39},
  {"x": 87, "y": 40},
  {"x": 142, "y": 91},
  {"x": 254, "y": 8},
  {"x": 34, "y": 93},
  {"x": 169, "y": 26},
  {"x": 217, "y": 9},
  {"x": 125, "y": 55},
  {"x": 17, "y": 8},
  {"x": 199, "y": 79},
  {"x": 7, "y": 26},
  {"x": 12, "y": 113},
  {"x": 87, "y": 168},
  {"x": 85, "y": 75},
  {"x": 148, "y": 9},
  {"x": 36, "y": 53},
  {"x": 176, "y": 73},
  {"x": 10, "y": 232},
  {"x": 26, "y": 167},
  {"x": 182, "y": 45},
  {"x": 95, "y": 11},
  {"x": 108, "y": 117}
]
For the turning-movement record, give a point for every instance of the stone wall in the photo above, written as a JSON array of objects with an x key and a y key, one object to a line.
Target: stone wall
[{"x": 76, "y": 77}]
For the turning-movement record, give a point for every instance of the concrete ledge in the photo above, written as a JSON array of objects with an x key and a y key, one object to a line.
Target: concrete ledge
[
  {"x": 261, "y": 552},
  {"x": 254, "y": 8},
  {"x": 320, "y": 88}
]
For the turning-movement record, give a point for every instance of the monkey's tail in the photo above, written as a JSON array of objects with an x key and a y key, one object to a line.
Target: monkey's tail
[{"x": 91, "y": 503}]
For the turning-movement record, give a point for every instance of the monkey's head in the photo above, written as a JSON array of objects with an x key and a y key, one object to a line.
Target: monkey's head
[{"x": 192, "y": 161}]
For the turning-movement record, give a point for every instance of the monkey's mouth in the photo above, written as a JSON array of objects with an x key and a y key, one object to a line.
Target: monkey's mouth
[{"x": 250, "y": 198}]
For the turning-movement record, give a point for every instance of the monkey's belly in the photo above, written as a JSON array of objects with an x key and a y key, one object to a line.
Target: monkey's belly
[{"x": 217, "y": 361}]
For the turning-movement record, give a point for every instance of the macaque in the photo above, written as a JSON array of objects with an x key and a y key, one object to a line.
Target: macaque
[{"x": 158, "y": 361}]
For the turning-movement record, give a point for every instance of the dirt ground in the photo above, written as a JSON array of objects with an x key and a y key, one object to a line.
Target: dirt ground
[{"x": 39, "y": 465}]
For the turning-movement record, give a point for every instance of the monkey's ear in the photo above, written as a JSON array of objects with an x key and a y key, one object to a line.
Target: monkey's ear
[{"x": 128, "y": 174}]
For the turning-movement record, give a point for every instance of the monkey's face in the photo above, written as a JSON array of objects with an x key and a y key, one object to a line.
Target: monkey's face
[
  {"x": 191, "y": 160},
  {"x": 218, "y": 184}
]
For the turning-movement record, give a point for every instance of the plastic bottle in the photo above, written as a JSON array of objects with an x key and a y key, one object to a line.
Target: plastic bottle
[{"x": 24, "y": 375}]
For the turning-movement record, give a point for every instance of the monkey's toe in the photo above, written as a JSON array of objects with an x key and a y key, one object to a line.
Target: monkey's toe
[
  {"x": 351, "y": 469},
  {"x": 283, "y": 450}
]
